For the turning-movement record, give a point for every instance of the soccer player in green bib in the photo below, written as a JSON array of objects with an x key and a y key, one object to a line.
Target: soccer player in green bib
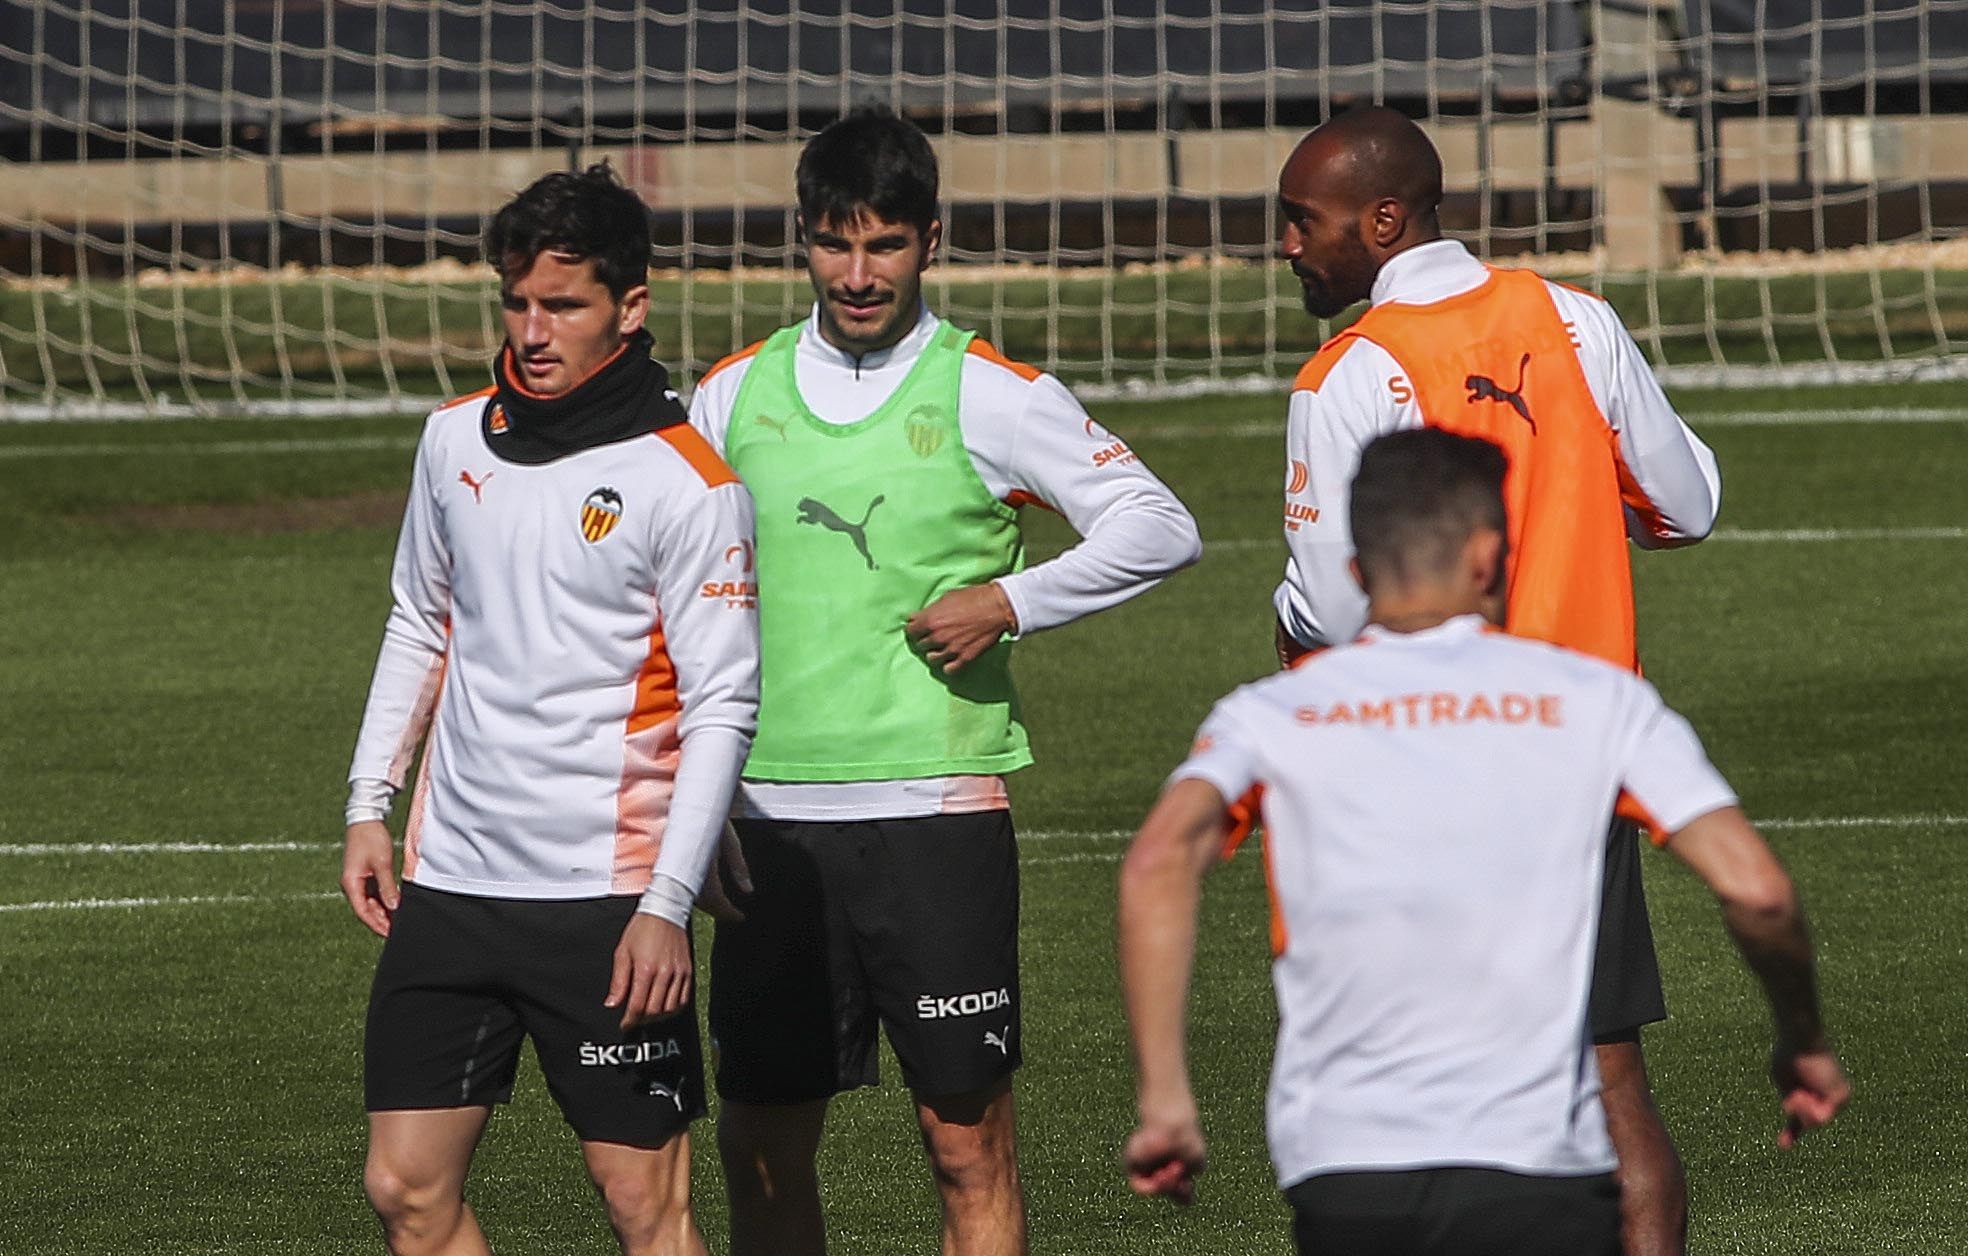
[{"x": 889, "y": 455}]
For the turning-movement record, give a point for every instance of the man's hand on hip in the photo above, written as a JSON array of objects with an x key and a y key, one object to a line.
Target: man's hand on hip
[
  {"x": 652, "y": 970},
  {"x": 956, "y": 628},
  {"x": 369, "y": 874}
]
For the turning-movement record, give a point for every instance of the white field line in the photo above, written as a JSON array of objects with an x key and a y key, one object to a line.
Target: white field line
[
  {"x": 159, "y": 848},
  {"x": 1752, "y": 535},
  {"x": 1036, "y": 835},
  {"x": 1152, "y": 431},
  {"x": 279, "y": 445},
  {"x": 1027, "y": 835},
  {"x": 1698, "y": 419},
  {"x": 1826, "y": 418},
  {"x": 1865, "y": 822},
  {"x": 1691, "y": 375},
  {"x": 189, "y": 900},
  {"x": 1839, "y": 534}
]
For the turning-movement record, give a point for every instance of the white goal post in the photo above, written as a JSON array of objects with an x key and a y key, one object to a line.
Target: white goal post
[{"x": 274, "y": 208}]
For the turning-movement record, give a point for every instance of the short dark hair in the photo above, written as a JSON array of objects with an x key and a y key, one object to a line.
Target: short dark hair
[
  {"x": 871, "y": 159},
  {"x": 1418, "y": 497},
  {"x": 586, "y": 214}
]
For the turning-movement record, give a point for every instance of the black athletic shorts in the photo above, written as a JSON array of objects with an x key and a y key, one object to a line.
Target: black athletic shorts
[
  {"x": 1455, "y": 1212},
  {"x": 463, "y": 978},
  {"x": 911, "y": 923},
  {"x": 1626, "y": 979}
]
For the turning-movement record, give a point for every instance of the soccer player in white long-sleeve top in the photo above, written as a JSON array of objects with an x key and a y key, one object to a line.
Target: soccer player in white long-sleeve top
[
  {"x": 1599, "y": 461},
  {"x": 889, "y": 454},
  {"x": 573, "y": 640},
  {"x": 1433, "y": 797}
]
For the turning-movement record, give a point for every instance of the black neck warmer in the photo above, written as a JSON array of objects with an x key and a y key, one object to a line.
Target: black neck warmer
[{"x": 629, "y": 395}]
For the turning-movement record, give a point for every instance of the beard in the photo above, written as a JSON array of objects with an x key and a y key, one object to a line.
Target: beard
[
  {"x": 1348, "y": 279},
  {"x": 895, "y": 316},
  {"x": 1321, "y": 302}
]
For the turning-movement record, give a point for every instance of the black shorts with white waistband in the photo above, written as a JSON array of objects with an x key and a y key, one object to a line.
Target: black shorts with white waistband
[
  {"x": 911, "y": 924},
  {"x": 463, "y": 978}
]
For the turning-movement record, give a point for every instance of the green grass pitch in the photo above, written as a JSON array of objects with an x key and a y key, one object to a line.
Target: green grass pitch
[{"x": 189, "y": 614}]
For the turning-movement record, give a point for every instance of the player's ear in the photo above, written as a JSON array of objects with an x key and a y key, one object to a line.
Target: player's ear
[
  {"x": 1387, "y": 221},
  {"x": 632, "y": 310},
  {"x": 1359, "y": 577},
  {"x": 932, "y": 240},
  {"x": 1483, "y": 559}
]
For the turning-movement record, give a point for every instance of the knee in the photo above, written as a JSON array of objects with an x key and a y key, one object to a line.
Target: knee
[
  {"x": 408, "y": 1206},
  {"x": 767, "y": 1155},
  {"x": 640, "y": 1208},
  {"x": 965, "y": 1158}
]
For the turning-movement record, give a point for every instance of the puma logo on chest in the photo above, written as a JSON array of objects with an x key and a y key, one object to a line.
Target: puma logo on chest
[
  {"x": 1483, "y": 388},
  {"x": 818, "y": 512}
]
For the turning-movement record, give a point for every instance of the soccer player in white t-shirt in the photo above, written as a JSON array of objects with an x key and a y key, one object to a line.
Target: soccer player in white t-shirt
[
  {"x": 1432, "y": 798},
  {"x": 574, "y": 641}
]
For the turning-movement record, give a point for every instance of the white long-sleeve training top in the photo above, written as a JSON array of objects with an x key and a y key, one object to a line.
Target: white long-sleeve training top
[
  {"x": 1032, "y": 444},
  {"x": 582, "y": 639},
  {"x": 1360, "y": 399}
]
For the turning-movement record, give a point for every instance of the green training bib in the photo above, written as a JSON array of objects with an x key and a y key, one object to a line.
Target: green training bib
[{"x": 860, "y": 526}]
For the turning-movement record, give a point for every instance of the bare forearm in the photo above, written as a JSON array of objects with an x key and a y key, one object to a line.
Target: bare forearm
[
  {"x": 1159, "y": 898},
  {"x": 1776, "y": 944},
  {"x": 1160, "y": 895}
]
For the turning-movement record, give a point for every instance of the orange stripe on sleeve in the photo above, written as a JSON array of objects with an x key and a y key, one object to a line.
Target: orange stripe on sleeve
[
  {"x": 1018, "y": 498},
  {"x": 1628, "y": 808},
  {"x": 697, "y": 451},
  {"x": 649, "y": 759},
  {"x": 655, "y": 687},
  {"x": 1243, "y": 818},
  {"x": 984, "y": 349},
  {"x": 1279, "y": 934}
]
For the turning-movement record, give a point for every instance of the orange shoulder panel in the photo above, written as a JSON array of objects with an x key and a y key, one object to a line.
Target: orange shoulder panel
[
  {"x": 731, "y": 360},
  {"x": 1312, "y": 376},
  {"x": 697, "y": 451},
  {"x": 986, "y": 350},
  {"x": 486, "y": 391}
]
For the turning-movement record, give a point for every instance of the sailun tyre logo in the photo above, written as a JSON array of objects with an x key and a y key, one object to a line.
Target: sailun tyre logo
[{"x": 600, "y": 513}]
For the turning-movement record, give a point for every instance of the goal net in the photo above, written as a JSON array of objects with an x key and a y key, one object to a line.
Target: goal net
[{"x": 275, "y": 207}]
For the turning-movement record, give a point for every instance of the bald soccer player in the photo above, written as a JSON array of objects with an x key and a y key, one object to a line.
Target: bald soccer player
[
  {"x": 1598, "y": 460},
  {"x": 1432, "y": 800}
]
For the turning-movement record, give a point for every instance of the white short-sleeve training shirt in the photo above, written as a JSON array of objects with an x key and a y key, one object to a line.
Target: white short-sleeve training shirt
[{"x": 1435, "y": 808}]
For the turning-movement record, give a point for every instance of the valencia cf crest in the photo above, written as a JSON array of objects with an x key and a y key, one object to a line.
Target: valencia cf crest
[
  {"x": 600, "y": 513},
  {"x": 925, "y": 430}
]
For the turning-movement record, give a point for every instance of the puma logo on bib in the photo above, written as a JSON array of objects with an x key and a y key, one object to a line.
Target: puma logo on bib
[
  {"x": 1483, "y": 388},
  {"x": 812, "y": 511}
]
